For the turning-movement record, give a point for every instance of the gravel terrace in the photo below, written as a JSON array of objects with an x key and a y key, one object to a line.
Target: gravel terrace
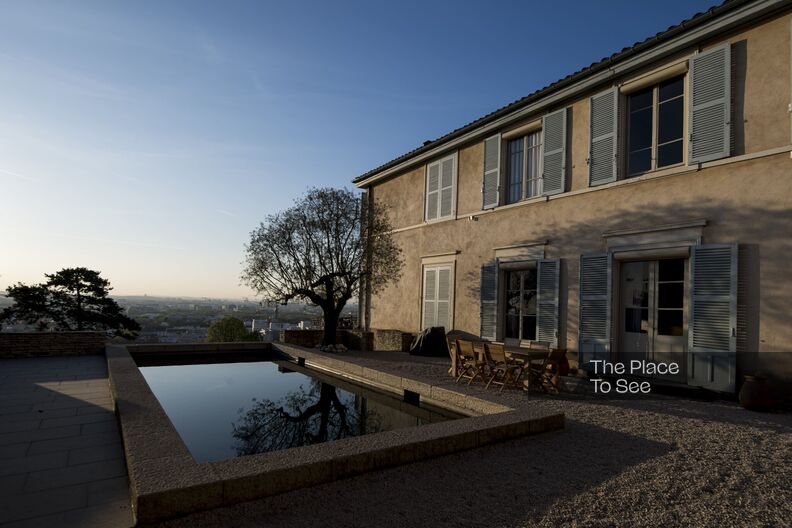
[{"x": 656, "y": 462}]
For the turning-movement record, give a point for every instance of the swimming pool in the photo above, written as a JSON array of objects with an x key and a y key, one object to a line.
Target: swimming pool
[{"x": 227, "y": 410}]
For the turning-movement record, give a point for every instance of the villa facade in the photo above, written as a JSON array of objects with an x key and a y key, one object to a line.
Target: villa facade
[{"x": 640, "y": 208}]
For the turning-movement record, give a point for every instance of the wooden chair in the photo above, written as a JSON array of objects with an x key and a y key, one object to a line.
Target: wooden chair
[
  {"x": 453, "y": 354},
  {"x": 468, "y": 363},
  {"x": 501, "y": 368},
  {"x": 545, "y": 376}
]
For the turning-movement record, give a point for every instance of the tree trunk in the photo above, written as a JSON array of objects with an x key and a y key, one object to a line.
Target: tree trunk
[{"x": 330, "y": 327}]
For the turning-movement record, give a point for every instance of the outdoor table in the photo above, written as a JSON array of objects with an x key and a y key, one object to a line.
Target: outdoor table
[{"x": 528, "y": 356}]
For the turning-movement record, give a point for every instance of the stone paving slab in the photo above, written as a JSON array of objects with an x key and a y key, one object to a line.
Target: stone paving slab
[{"x": 61, "y": 458}]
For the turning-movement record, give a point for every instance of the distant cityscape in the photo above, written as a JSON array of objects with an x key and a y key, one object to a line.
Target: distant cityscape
[{"x": 187, "y": 320}]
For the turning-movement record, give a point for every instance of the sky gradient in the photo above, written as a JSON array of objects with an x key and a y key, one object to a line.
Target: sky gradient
[{"x": 146, "y": 139}]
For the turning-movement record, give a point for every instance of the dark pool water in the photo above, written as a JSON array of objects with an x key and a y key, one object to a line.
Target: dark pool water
[{"x": 225, "y": 410}]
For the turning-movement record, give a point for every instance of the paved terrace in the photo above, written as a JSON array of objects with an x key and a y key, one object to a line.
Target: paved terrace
[
  {"x": 61, "y": 459},
  {"x": 657, "y": 462}
]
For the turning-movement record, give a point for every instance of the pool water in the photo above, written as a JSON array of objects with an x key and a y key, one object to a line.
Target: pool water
[{"x": 226, "y": 410}]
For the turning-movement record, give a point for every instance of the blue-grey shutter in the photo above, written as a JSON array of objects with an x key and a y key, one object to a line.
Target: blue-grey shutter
[
  {"x": 488, "y": 293},
  {"x": 710, "y": 105},
  {"x": 603, "y": 137},
  {"x": 554, "y": 128},
  {"x": 490, "y": 186},
  {"x": 712, "y": 332},
  {"x": 595, "y": 308},
  {"x": 547, "y": 301},
  {"x": 432, "y": 191},
  {"x": 429, "y": 308}
]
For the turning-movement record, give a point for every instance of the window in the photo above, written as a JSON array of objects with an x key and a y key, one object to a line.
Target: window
[
  {"x": 440, "y": 193},
  {"x": 437, "y": 296},
  {"x": 520, "y": 305},
  {"x": 523, "y": 156},
  {"x": 655, "y": 126},
  {"x": 670, "y": 297}
]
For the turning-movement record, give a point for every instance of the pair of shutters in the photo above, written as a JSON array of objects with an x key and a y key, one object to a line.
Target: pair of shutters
[
  {"x": 440, "y": 188},
  {"x": 553, "y": 178},
  {"x": 709, "y": 117},
  {"x": 712, "y": 326},
  {"x": 546, "y": 303},
  {"x": 436, "y": 309}
]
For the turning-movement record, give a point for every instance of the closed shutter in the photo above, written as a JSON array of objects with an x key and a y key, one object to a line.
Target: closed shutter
[
  {"x": 489, "y": 301},
  {"x": 447, "y": 187},
  {"x": 710, "y": 105},
  {"x": 429, "y": 298},
  {"x": 547, "y": 301},
  {"x": 554, "y": 152},
  {"x": 712, "y": 332},
  {"x": 490, "y": 186},
  {"x": 603, "y": 137},
  {"x": 444, "y": 298},
  {"x": 432, "y": 190},
  {"x": 595, "y": 308}
]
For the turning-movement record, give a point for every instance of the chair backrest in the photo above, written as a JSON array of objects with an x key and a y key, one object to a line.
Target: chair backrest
[
  {"x": 465, "y": 349},
  {"x": 539, "y": 345},
  {"x": 451, "y": 346},
  {"x": 556, "y": 355},
  {"x": 496, "y": 352}
]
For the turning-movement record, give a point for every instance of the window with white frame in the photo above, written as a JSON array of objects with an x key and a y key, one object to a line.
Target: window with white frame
[
  {"x": 440, "y": 189},
  {"x": 655, "y": 126},
  {"x": 523, "y": 167},
  {"x": 521, "y": 288},
  {"x": 437, "y": 296}
]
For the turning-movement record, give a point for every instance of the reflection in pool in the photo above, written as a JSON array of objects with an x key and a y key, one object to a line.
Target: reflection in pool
[{"x": 225, "y": 410}]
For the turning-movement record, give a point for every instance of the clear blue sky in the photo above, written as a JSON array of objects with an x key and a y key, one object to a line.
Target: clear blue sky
[{"x": 146, "y": 139}]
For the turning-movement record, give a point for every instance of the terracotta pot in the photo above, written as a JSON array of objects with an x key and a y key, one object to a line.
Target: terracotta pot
[{"x": 755, "y": 394}]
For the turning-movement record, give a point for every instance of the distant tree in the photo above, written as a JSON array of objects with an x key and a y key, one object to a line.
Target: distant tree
[
  {"x": 320, "y": 250},
  {"x": 71, "y": 299},
  {"x": 229, "y": 329}
]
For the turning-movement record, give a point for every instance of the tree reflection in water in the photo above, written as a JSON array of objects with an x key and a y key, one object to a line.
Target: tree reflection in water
[{"x": 303, "y": 417}]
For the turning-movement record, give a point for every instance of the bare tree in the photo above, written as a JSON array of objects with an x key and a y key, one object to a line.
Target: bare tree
[{"x": 320, "y": 250}]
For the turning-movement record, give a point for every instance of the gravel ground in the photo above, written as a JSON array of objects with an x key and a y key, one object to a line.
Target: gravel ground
[{"x": 654, "y": 462}]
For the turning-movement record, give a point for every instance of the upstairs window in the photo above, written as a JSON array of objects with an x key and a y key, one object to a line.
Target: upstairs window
[
  {"x": 440, "y": 189},
  {"x": 523, "y": 157},
  {"x": 655, "y": 126}
]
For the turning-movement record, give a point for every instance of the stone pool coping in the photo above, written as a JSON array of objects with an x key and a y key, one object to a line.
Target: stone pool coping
[{"x": 166, "y": 482}]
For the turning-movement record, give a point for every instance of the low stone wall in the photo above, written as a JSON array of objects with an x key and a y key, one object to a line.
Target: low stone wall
[
  {"x": 48, "y": 344},
  {"x": 352, "y": 339},
  {"x": 392, "y": 340}
]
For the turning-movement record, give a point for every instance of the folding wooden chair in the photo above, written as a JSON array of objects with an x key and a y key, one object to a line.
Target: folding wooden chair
[
  {"x": 545, "y": 375},
  {"x": 468, "y": 363},
  {"x": 501, "y": 368}
]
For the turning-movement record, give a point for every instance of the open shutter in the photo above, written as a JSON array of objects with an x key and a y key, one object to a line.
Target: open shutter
[
  {"x": 490, "y": 187},
  {"x": 554, "y": 152},
  {"x": 712, "y": 332},
  {"x": 710, "y": 105},
  {"x": 603, "y": 137},
  {"x": 432, "y": 190},
  {"x": 595, "y": 308},
  {"x": 429, "y": 298},
  {"x": 446, "y": 187},
  {"x": 444, "y": 298},
  {"x": 489, "y": 301},
  {"x": 547, "y": 301}
]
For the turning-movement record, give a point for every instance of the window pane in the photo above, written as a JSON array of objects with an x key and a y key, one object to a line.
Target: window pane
[
  {"x": 672, "y": 270},
  {"x": 672, "y": 88},
  {"x": 530, "y": 279},
  {"x": 515, "y": 169},
  {"x": 636, "y": 320},
  {"x": 640, "y": 129},
  {"x": 642, "y": 99},
  {"x": 670, "y": 294},
  {"x": 529, "y": 327},
  {"x": 513, "y": 326},
  {"x": 669, "y": 154},
  {"x": 513, "y": 302},
  {"x": 513, "y": 280},
  {"x": 529, "y": 303},
  {"x": 640, "y": 161},
  {"x": 670, "y": 120},
  {"x": 669, "y": 322}
]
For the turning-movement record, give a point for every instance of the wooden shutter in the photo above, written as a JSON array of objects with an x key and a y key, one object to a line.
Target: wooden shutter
[
  {"x": 488, "y": 293},
  {"x": 595, "y": 308},
  {"x": 712, "y": 333},
  {"x": 710, "y": 105},
  {"x": 429, "y": 298},
  {"x": 490, "y": 187},
  {"x": 547, "y": 301},
  {"x": 444, "y": 298},
  {"x": 603, "y": 137},
  {"x": 447, "y": 187},
  {"x": 432, "y": 190},
  {"x": 554, "y": 128}
]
